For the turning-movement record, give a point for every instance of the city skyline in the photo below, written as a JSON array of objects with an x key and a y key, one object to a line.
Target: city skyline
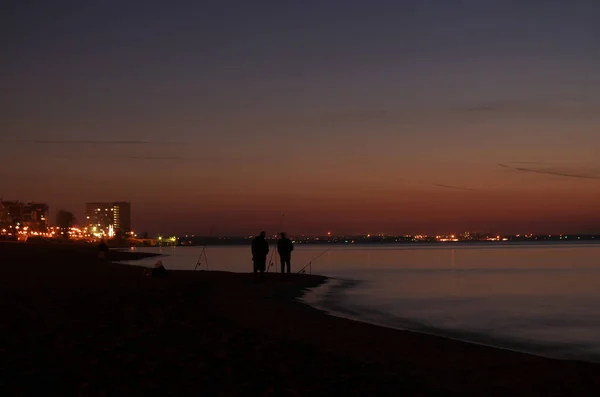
[
  {"x": 100, "y": 210},
  {"x": 348, "y": 116}
]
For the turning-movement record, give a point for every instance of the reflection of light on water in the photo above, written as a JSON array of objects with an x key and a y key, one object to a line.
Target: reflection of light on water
[{"x": 453, "y": 282}]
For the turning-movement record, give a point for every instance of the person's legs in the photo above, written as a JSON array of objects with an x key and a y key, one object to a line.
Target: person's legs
[
  {"x": 282, "y": 264},
  {"x": 289, "y": 265}
]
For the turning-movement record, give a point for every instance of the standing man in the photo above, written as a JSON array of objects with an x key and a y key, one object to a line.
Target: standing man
[
  {"x": 260, "y": 249},
  {"x": 103, "y": 250},
  {"x": 285, "y": 248}
]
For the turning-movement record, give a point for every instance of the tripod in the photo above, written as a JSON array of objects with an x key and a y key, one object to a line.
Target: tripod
[{"x": 202, "y": 257}]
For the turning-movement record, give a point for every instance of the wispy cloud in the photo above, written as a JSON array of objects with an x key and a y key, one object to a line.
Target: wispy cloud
[
  {"x": 349, "y": 116},
  {"x": 113, "y": 142},
  {"x": 455, "y": 187},
  {"x": 204, "y": 160},
  {"x": 553, "y": 171},
  {"x": 164, "y": 158},
  {"x": 527, "y": 162},
  {"x": 557, "y": 106},
  {"x": 87, "y": 142},
  {"x": 481, "y": 109},
  {"x": 153, "y": 158}
]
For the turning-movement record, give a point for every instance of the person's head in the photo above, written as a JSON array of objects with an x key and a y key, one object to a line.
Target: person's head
[
  {"x": 263, "y": 234},
  {"x": 282, "y": 234}
]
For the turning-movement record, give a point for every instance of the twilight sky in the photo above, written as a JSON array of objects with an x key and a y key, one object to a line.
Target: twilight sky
[{"x": 353, "y": 116}]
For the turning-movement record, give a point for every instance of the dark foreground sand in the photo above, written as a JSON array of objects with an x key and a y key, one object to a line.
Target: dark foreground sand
[{"x": 73, "y": 326}]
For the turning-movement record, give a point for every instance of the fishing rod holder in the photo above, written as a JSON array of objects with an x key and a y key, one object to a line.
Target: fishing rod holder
[{"x": 308, "y": 266}]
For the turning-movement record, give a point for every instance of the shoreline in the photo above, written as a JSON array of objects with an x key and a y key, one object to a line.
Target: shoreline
[
  {"x": 325, "y": 297},
  {"x": 79, "y": 326}
]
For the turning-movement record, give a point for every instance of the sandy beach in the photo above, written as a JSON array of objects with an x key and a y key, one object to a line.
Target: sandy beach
[{"x": 72, "y": 325}]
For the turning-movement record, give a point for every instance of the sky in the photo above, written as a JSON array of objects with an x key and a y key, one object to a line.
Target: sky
[{"x": 424, "y": 116}]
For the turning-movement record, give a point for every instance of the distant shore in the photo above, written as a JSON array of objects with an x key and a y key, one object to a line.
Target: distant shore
[
  {"x": 74, "y": 325},
  {"x": 200, "y": 241},
  {"x": 394, "y": 241}
]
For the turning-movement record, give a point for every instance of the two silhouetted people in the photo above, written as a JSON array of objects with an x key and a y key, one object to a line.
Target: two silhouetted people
[
  {"x": 285, "y": 248},
  {"x": 260, "y": 249}
]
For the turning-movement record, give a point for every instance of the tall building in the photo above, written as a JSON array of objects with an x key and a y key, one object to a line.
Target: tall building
[
  {"x": 4, "y": 218},
  {"x": 32, "y": 215},
  {"x": 108, "y": 219},
  {"x": 35, "y": 216},
  {"x": 13, "y": 211}
]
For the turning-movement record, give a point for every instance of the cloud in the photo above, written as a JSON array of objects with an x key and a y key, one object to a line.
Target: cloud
[
  {"x": 153, "y": 158},
  {"x": 236, "y": 161},
  {"x": 342, "y": 117},
  {"x": 527, "y": 162},
  {"x": 114, "y": 142},
  {"x": 85, "y": 142},
  {"x": 158, "y": 158},
  {"x": 481, "y": 109},
  {"x": 554, "y": 172},
  {"x": 551, "y": 107},
  {"x": 357, "y": 115},
  {"x": 455, "y": 187}
]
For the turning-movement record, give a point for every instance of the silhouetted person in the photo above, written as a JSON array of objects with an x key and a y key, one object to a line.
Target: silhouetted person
[
  {"x": 260, "y": 249},
  {"x": 285, "y": 248},
  {"x": 103, "y": 250}
]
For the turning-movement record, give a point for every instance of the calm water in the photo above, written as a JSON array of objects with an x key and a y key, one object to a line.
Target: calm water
[{"x": 541, "y": 299}]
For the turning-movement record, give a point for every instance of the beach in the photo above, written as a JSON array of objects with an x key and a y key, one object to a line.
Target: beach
[{"x": 75, "y": 325}]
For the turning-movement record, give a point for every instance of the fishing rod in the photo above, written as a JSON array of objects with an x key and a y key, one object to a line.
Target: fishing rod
[
  {"x": 309, "y": 264},
  {"x": 203, "y": 252},
  {"x": 271, "y": 260},
  {"x": 271, "y": 264}
]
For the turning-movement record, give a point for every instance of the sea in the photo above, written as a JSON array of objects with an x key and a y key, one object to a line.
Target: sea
[{"x": 538, "y": 298}]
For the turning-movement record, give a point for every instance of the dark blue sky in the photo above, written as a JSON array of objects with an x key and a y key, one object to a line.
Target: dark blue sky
[{"x": 348, "y": 114}]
